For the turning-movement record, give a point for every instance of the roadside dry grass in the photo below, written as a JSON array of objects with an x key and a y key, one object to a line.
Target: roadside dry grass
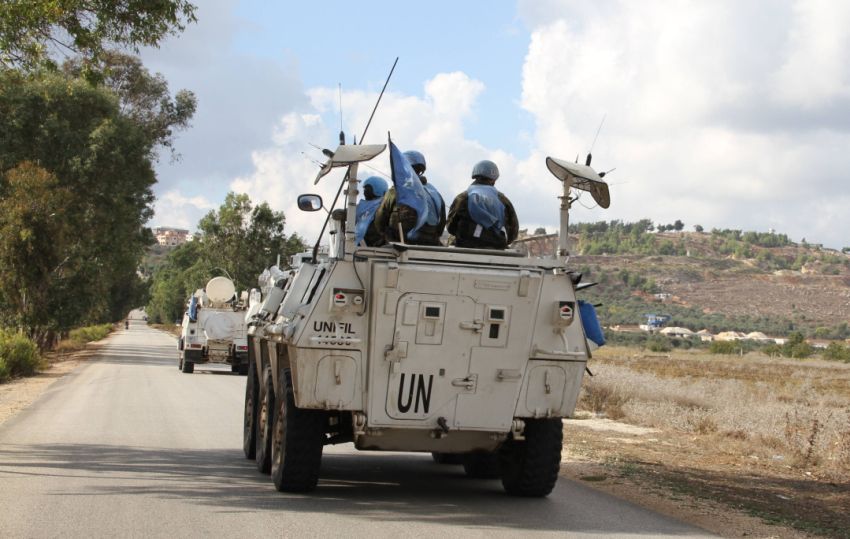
[{"x": 769, "y": 436}]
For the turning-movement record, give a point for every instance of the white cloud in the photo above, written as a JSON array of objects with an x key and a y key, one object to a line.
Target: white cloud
[
  {"x": 432, "y": 124},
  {"x": 728, "y": 114},
  {"x": 179, "y": 210},
  {"x": 725, "y": 114}
]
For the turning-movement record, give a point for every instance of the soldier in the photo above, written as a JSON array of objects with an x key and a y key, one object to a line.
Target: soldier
[
  {"x": 374, "y": 189},
  {"x": 481, "y": 216},
  {"x": 390, "y": 214}
]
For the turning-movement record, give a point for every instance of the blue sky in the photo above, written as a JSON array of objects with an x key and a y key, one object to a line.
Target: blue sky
[
  {"x": 728, "y": 114},
  {"x": 355, "y": 43}
]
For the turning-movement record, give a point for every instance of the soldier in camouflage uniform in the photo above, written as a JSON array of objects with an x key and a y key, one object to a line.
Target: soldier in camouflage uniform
[
  {"x": 482, "y": 217},
  {"x": 390, "y": 214},
  {"x": 374, "y": 188}
]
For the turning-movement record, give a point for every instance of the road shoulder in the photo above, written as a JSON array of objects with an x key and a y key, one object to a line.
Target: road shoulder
[
  {"x": 585, "y": 461},
  {"x": 18, "y": 394}
]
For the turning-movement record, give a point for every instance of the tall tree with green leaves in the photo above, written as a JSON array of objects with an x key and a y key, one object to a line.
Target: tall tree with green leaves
[
  {"x": 35, "y": 33},
  {"x": 102, "y": 160},
  {"x": 34, "y": 238},
  {"x": 244, "y": 239},
  {"x": 239, "y": 240}
]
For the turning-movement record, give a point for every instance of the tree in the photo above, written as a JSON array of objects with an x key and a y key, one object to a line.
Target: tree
[
  {"x": 239, "y": 240},
  {"x": 678, "y": 225},
  {"x": 143, "y": 96},
  {"x": 102, "y": 162},
  {"x": 34, "y": 31},
  {"x": 698, "y": 228},
  {"x": 34, "y": 238},
  {"x": 244, "y": 239}
]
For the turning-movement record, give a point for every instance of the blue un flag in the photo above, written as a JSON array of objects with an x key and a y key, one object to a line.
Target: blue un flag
[{"x": 410, "y": 191}]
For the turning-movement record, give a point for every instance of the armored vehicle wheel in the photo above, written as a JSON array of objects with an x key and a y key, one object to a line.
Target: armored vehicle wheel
[
  {"x": 446, "y": 458},
  {"x": 180, "y": 362},
  {"x": 297, "y": 443},
  {"x": 530, "y": 467},
  {"x": 243, "y": 369},
  {"x": 187, "y": 366},
  {"x": 481, "y": 465},
  {"x": 265, "y": 419},
  {"x": 249, "y": 423}
]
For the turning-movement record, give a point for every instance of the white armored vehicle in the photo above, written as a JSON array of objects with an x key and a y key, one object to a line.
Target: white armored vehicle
[
  {"x": 213, "y": 328},
  {"x": 471, "y": 353}
]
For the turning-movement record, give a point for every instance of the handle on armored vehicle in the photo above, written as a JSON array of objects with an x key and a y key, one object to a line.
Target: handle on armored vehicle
[
  {"x": 467, "y": 383},
  {"x": 475, "y": 325}
]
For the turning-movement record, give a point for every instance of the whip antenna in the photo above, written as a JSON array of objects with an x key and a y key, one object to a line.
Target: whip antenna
[
  {"x": 341, "y": 133},
  {"x": 598, "y": 129},
  {"x": 363, "y": 136}
]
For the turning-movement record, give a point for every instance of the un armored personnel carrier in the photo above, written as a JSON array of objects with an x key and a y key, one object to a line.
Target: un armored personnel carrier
[
  {"x": 470, "y": 353},
  {"x": 213, "y": 328}
]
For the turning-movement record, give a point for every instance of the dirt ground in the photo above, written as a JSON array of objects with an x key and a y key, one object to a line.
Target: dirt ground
[{"x": 681, "y": 476}]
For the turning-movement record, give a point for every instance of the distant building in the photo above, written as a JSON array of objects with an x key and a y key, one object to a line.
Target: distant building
[
  {"x": 705, "y": 335},
  {"x": 730, "y": 336},
  {"x": 654, "y": 322},
  {"x": 758, "y": 336},
  {"x": 674, "y": 331},
  {"x": 170, "y": 237}
]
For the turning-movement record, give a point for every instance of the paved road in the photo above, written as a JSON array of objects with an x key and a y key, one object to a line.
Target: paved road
[{"x": 128, "y": 446}]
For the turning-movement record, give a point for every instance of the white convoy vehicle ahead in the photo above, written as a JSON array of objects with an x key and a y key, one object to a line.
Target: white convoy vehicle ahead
[
  {"x": 474, "y": 354},
  {"x": 213, "y": 328}
]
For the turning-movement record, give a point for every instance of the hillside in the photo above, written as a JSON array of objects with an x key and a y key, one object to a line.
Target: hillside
[{"x": 719, "y": 280}]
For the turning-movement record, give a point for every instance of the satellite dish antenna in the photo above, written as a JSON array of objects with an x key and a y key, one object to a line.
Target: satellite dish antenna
[
  {"x": 220, "y": 289},
  {"x": 346, "y": 155},
  {"x": 581, "y": 177}
]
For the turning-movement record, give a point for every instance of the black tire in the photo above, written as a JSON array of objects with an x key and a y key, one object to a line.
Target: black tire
[
  {"x": 265, "y": 420},
  {"x": 180, "y": 361},
  {"x": 446, "y": 458},
  {"x": 243, "y": 369},
  {"x": 249, "y": 422},
  {"x": 188, "y": 367},
  {"x": 481, "y": 465},
  {"x": 530, "y": 467},
  {"x": 297, "y": 443}
]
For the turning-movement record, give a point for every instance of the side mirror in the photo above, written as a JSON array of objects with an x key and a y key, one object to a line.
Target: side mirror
[{"x": 309, "y": 202}]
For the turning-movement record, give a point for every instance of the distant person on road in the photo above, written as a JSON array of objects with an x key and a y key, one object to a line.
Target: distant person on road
[
  {"x": 374, "y": 189},
  {"x": 481, "y": 217},
  {"x": 392, "y": 213}
]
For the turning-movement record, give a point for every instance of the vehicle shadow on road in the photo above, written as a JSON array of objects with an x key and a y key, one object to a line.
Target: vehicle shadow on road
[{"x": 370, "y": 486}]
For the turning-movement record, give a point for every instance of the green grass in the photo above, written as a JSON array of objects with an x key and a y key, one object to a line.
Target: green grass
[{"x": 89, "y": 333}]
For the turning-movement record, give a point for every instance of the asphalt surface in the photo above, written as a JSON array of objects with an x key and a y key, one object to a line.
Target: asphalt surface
[{"x": 127, "y": 445}]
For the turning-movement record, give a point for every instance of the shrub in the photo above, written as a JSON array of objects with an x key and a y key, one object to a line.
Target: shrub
[
  {"x": 724, "y": 347},
  {"x": 837, "y": 352},
  {"x": 90, "y": 333},
  {"x": 603, "y": 400},
  {"x": 18, "y": 355},
  {"x": 656, "y": 343}
]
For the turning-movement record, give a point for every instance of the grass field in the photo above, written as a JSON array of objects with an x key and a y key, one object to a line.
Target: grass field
[{"x": 771, "y": 436}]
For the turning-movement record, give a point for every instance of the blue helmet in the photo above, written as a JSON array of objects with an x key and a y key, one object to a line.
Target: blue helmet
[
  {"x": 485, "y": 169},
  {"x": 379, "y": 185},
  {"x": 415, "y": 158}
]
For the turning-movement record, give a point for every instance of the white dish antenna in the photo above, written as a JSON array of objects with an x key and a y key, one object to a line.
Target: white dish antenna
[
  {"x": 220, "y": 289},
  {"x": 348, "y": 154},
  {"x": 581, "y": 177}
]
